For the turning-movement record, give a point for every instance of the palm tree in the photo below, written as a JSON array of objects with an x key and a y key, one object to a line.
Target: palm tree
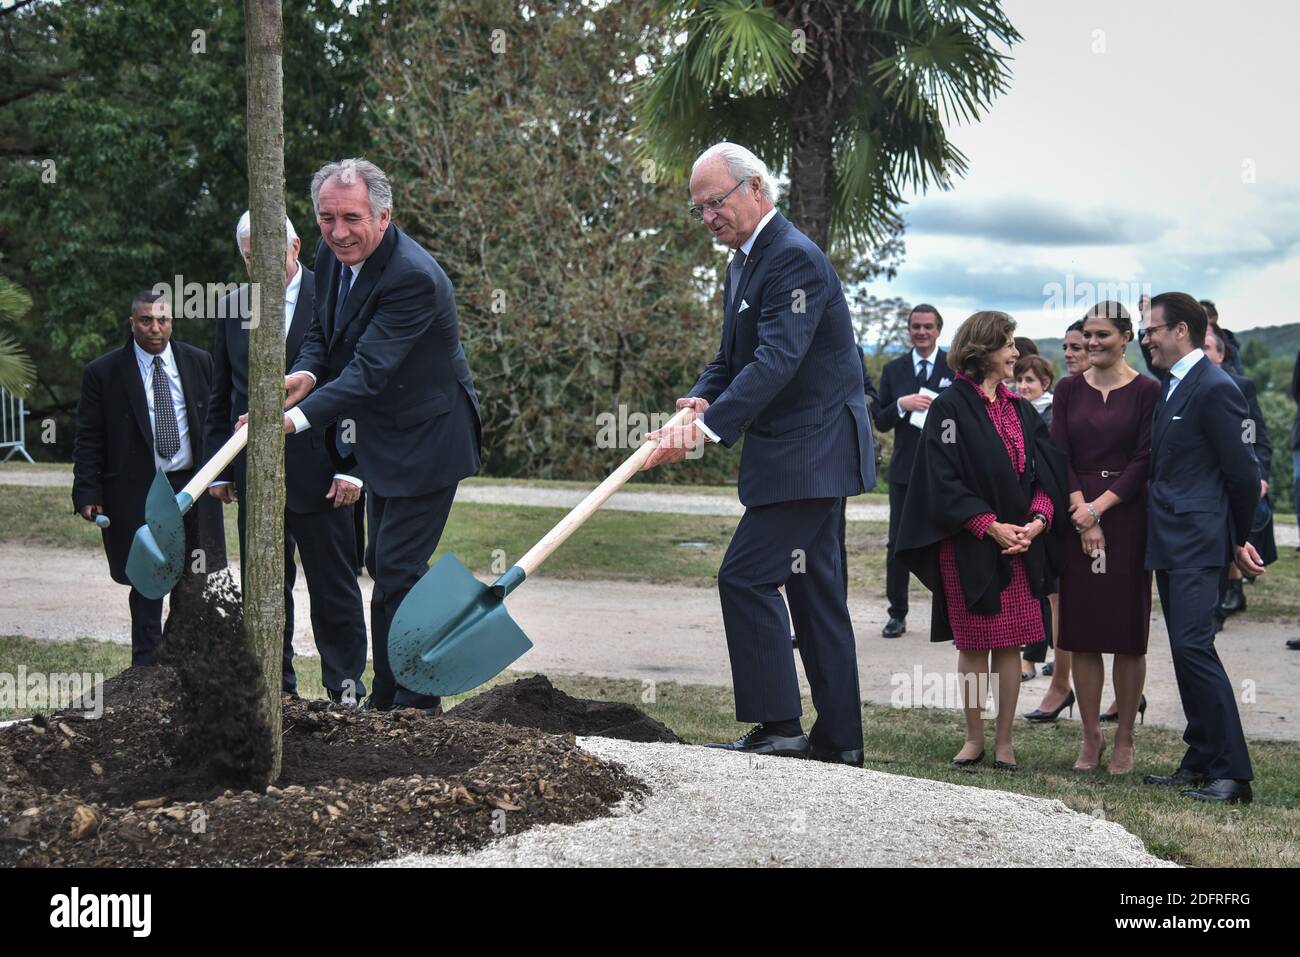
[
  {"x": 16, "y": 370},
  {"x": 850, "y": 98}
]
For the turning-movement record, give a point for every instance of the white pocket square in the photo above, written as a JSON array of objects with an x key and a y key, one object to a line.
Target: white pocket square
[
  {"x": 1177, "y": 418},
  {"x": 743, "y": 306},
  {"x": 944, "y": 383}
]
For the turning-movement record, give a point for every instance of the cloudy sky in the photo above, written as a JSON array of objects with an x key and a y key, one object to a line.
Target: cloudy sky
[{"x": 1148, "y": 145}]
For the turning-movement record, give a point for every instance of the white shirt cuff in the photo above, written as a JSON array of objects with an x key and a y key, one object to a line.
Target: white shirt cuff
[
  {"x": 304, "y": 372},
  {"x": 215, "y": 484},
  {"x": 708, "y": 432},
  {"x": 300, "y": 423},
  {"x": 350, "y": 479},
  {"x": 901, "y": 411}
]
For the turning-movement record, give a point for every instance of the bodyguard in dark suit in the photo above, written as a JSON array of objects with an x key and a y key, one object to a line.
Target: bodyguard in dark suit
[
  {"x": 901, "y": 382},
  {"x": 318, "y": 500},
  {"x": 789, "y": 378},
  {"x": 384, "y": 349},
  {"x": 1204, "y": 489},
  {"x": 143, "y": 407},
  {"x": 1232, "y": 594}
]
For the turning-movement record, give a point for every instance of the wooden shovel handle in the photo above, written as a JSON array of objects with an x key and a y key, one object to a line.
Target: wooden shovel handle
[
  {"x": 215, "y": 465},
  {"x": 594, "y": 500}
]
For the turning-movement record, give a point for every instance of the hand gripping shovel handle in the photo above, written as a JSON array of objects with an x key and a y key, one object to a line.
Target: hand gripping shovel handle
[
  {"x": 556, "y": 537},
  {"x": 211, "y": 469}
]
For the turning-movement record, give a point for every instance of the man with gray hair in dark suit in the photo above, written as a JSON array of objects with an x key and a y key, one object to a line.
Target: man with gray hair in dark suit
[
  {"x": 383, "y": 359},
  {"x": 788, "y": 376}
]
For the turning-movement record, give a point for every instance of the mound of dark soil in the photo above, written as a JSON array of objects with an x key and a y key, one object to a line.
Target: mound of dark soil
[
  {"x": 356, "y": 786},
  {"x": 536, "y": 703}
]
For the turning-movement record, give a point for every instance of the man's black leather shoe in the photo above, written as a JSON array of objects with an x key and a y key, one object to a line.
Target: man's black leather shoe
[
  {"x": 1182, "y": 778},
  {"x": 1225, "y": 790},
  {"x": 894, "y": 628},
  {"x": 1293, "y": 644},
  {"x": 370, "y": 704},
  {"x": 854, "y": 758},
  {"x": 759, "y": 740}
]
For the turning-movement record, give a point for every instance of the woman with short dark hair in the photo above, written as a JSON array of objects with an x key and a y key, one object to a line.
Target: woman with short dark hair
[{"x": 977, "y": 525}]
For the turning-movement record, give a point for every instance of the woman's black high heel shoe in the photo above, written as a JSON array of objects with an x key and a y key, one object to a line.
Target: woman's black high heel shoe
[
  {"x": 1040, "y": 715},
  {"x": 967, "y": 762},
  {"x": 1142, "y": 712}
]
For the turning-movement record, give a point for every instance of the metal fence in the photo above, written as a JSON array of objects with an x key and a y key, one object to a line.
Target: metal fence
[{"x": 13, "y": 426}]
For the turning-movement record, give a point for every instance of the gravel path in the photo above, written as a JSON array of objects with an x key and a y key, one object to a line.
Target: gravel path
[
  {"x": 661, "y": 633},
  {"x": 715, "y": 809}
]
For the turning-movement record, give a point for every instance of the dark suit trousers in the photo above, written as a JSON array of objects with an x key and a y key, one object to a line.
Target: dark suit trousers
[
  {"x": 404, "y": 534},
  {"x": 146, "y": 613},
  {"x": 326, "y": 546},
  {"x": 799, "y": 545},
  {"x": 1216, "y": 746},
  {"x": 896, "y": 575}
]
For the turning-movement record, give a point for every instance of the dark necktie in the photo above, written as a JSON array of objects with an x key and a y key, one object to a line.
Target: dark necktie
[
  {"x": 733, "y": 275},
  {"x": 166, "y": 434},
  {"x": 344, "y": 286},
  {"x": 923, "y": 376}
]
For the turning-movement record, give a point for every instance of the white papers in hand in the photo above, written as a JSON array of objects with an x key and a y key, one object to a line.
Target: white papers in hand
[{"x": 917, "y": 418}]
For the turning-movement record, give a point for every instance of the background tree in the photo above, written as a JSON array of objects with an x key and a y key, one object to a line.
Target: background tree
[
  {"x": 123, "y": 159},
  {"x": 263, "y": 566},
  {"x": 850, "y": 100},
  {"x": 582, "y": 285},
  {"x": 16, "y": 370}
]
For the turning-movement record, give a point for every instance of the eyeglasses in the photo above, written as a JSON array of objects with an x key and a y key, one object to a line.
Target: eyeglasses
[
  {"x": 1143, "y": 333},
  {"x": 697, "y": 212}
]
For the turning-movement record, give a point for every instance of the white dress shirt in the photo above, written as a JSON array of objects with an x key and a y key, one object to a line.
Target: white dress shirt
[
  {"x": 296, "y": 415},
  {"x": 745, "y": 247},
  {"x": 1181, "y": 368},
  {"x": 916, "y": 371},
  {"x": 184, "y": 457}
]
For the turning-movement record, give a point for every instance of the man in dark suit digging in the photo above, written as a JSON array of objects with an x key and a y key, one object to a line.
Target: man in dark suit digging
[
  {"x": 383, "y": 359},
  {"x": 788, "y": 376}
]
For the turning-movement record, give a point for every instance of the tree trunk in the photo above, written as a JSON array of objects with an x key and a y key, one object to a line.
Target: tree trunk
[
  {"x": 837, "y": 52},
  {"x": 263, "y": 565}
]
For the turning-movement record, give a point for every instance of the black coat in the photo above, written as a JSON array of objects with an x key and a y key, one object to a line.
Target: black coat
[
  {"x": 309, "y": 469},
  {"x": 1261, "y": 534},
  {"x": 113, "y": 461},
  {"x": 962, "y": 470},
  {"x": 897, "y": 379},
  {"x": 393, "y": 363},
  {"x": 1295, "y": 397}
]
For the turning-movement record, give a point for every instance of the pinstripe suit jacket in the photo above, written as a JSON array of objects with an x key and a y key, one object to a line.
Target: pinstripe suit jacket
[{"x": 789, "y": 377}]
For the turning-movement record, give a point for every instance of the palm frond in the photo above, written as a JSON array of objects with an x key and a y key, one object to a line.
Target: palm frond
[{"x": 16, "y": 370}]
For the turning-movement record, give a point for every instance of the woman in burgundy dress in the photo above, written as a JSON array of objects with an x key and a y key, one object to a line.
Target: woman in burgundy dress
[
  {"x": 977, "y": 524},
  {"x": 1102, "y": 421}
]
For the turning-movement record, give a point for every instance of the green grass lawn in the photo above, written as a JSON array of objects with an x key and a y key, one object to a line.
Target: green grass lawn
[
  {"x": 920, "y": 743},
  {"x": 620, "y": 545}
]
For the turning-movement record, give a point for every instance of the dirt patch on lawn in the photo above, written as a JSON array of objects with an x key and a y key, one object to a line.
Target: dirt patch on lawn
[
  {"x": 357, "y": 786},
  {"x": 536, "y": 703}
]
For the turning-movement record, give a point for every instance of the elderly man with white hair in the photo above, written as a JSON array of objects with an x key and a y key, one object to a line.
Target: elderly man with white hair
[
  {"x": 383, "y": 359},
  {"x": 318, "y": 519},
  {"x": 788, "y": 376}
]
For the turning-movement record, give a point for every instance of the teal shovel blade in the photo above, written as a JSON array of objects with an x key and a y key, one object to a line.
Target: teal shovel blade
[
  {"x": 452, "y": 633},
  {"x": 157, "y": 553}
]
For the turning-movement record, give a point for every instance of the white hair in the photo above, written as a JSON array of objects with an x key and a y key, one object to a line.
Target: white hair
[
  {"x": 741, "y": 164},
  {"x": 244, "y": 228},
  {"x": 347, "y": 172}
]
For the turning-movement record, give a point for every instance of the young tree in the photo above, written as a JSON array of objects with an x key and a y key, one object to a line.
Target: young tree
[{"x": 264, "y": 563}]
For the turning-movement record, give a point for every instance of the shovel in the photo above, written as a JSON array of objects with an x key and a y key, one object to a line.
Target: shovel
[
  {"x": 157, "y": 553},
  {"x": 452, "y": 633}
]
